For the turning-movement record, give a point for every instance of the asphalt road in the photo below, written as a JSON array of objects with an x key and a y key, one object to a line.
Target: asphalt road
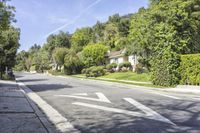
[{"x": 100, "y": 107}]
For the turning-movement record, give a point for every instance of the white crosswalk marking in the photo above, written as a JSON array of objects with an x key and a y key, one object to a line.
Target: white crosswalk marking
[
  {"x": 101, "y": 97},
  {"x": 148, "y": 113}
]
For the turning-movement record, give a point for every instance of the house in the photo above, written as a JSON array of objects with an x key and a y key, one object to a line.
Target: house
[{"x": 120, "y": 57}]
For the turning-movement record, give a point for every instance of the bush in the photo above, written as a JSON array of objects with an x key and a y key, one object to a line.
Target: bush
[
  {"x": 95, "y": 71},
  {"x": 139, "y": 69},
  {"x": 55, "y": 72},
  {"x": 111, "y": 67},
  {"x": 125, "y": 66},
  {"x": 83, "y": 71},
  {"x": 94, "y": 55},
  {"x": 190, "y": 69},
  {"x": 73, "y": 65},
  {"x": 164, "y": 71},
  {"x": 7, "y": 77},
  {"x": 33, "y": 68}
]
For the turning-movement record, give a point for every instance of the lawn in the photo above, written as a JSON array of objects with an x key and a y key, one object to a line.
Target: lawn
[{"x": 144, "y": 77}]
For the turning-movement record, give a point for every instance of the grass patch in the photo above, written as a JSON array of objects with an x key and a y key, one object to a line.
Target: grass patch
[{"x": 144, "y": 77}]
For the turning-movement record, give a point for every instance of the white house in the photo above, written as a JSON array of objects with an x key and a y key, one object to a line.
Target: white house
[{"x": 120, "y": 57}]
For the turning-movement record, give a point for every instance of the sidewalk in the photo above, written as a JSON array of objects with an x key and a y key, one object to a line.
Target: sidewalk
[
  {"x": 185, "y": 89},
  {"x": 16, "y": 112}
]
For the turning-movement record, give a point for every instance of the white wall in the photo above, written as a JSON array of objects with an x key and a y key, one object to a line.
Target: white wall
[
  {"x": 117, "y": 60},
  {"x": 133, "y": 59}
]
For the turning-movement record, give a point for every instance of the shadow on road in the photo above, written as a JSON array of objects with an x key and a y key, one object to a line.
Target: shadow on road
[
  {"x": 186, "y": 116},
  {"x": 47, "y": 87},
  {"x": 32, "y": 80}
]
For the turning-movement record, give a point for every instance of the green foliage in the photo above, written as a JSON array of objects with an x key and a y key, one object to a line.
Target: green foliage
[
  {"x": 81, "y": 38},
  {"x": 95, "y": 71},
  {"x": 161, "y": 32},
  {"x": 9, "y": 43},
  {"x": 72, "y": 65},
  {"x": 59, "y": 55},
  {"x": 111, "y": 67},
  {"x": 41, "y": 61},
  {"x": 111, "y": 34},
  {"x": 165, "y": 69},
  {"x": 33, "y": 68},
  {"x": 94, "y": 55},
  {"x": 190, "y": 69},
  {"x": 60, "y": 40},
  {"x": 139, "y": 68},
  {"x": 7, "y": 77},
  {"x": 126, "y": 65},
  {"x": 7, "y": 15},
  {"x": 98, "y": 32}
]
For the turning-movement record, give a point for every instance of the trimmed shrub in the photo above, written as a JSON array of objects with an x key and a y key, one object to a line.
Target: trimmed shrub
[
  {"x": 125, "y": 66},
  {"x": 111, "y": 67},
  {"x": 190, "y": 69},
  {"x": 95, "y": 71},
  {"x": 164, "y": 70}
]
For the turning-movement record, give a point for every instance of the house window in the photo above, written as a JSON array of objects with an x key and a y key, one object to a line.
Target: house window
[{"x": 116, "y": 60}]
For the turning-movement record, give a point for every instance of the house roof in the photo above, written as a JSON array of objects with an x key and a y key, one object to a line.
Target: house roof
[{"x": 115, "y": 54}]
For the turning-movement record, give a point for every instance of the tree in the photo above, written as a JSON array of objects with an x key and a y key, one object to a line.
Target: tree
[
  {"x": 124, "y": 26},
  {"x": 7, "y": 15},
  {"x": 162, "y": 32},
  {"x": 6, "y": 38},
  {"x": 41, "y": 61},
  {"x": 34, "y": 49},
  {"x": 94, "y": 55},
  {"x": 60, "y": 40},
  {"x": 59, "y": 55},
  {"x": 72, "y": 65},
  {"x": 21, "y": 61},
  {"x": 98, "y": 31},
  {"x": 9, "y": 45},
  {"x": 111, "y": 34},
  {"x": 81, "y": 38}
]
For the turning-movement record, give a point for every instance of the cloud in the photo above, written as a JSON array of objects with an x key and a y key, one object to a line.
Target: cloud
[{"x": 75, "y": 19}]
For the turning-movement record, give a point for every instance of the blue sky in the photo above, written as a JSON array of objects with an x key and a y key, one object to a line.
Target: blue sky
[{"x": 39, "y": 18}]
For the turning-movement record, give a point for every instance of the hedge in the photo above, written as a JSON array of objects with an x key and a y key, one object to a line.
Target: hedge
[
  {"x": 190, "y": 69},
  {"x": 111, "y": 67},
  {"x": 125, "y": 64},
  {"x": 95, "y": 71}
]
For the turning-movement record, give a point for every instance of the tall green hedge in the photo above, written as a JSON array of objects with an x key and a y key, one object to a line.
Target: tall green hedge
[
  {"x": 190, "y": 69},
  {"x": 164, "y": 69}
]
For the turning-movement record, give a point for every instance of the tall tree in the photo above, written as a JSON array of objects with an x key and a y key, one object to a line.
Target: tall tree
[
  {"x": 81, "y": 38},
  {"x": 60, "y": 40},
  {"x": 94, "y": 54}
]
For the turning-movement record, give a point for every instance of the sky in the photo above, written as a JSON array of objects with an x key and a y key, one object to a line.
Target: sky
[{"x": 39, "y": 18}]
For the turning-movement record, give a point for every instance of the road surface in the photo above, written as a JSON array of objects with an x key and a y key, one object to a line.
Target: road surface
[{"x": 101, "y": 107}]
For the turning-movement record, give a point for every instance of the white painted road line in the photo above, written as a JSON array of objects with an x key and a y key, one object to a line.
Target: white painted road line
[
  {"x": 196, "y": 98},
  {"x": 165, "y": 95},
  {"x": 101, "y": 97},
  {"x": 80, "y": 94},
  {"x": 149, "y": 114},
  {"x": 53, "y": 115}
]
